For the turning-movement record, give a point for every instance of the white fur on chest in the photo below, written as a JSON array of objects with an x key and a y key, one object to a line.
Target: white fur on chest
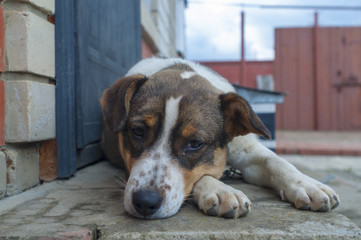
[{"x": 151, "y": 66}]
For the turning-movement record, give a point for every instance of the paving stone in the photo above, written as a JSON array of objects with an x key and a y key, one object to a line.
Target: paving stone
[
  {"x": 92, "y": 201},
  {"x": 342, "y": 173}
]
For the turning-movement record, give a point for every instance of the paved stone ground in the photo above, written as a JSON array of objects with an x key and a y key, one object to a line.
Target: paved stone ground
[
  {"x": 342, "y": 173},
  {"x": 339, "y": 162},
  {"x": 89, "y": 206}
]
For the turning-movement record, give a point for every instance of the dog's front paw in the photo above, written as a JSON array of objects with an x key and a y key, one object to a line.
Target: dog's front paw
[
  {"x": 215, "y": 198},
  {"x": 308, "y": 194}
]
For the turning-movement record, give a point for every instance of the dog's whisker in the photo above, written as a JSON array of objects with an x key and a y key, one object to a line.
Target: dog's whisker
[
  {"x": 119, "y": 179},
  {"x": 188, "y": 204},
  {"x": 119, "y": 185},
  {"x": 120, "y": 189},
  {"x": 119, "y": 182}
]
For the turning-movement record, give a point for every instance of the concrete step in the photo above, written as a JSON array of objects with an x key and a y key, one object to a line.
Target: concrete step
[
  {"x": 89, "y": 206},
  {"x": 344, "y": 143}
]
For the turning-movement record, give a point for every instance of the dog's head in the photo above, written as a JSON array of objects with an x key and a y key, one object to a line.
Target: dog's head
[{"x": 172, "y": 128}]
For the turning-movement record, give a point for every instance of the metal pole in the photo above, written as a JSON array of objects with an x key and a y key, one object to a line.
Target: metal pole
[{"x": 243, "y": 62}]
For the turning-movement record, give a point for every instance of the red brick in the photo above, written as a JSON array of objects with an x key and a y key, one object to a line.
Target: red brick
[
  {"x": 51, "y": 19},
  {"x": 350, "y": 152},
  {"x": 48, "y": 161},
  {"x": 280, "y": 150},
  {"x": 2, "y": 40},
  {"x": 146, "y": 50},
  {"x": 319, "y": 143},
  {"x": 2, "y": 113},
  {"x": 84, "y": 234},
  {"x": 320, "y": 151},
  {"x": 291, "y": 151}
]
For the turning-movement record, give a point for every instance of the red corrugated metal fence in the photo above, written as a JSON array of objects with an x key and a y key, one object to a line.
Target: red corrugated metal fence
[{"x": 322, "y": 75}]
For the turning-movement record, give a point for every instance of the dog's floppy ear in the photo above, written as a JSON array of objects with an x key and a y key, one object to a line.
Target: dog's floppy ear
[
  {"x": 115, "y": 101},
  {"x": 239, "y": 118}
]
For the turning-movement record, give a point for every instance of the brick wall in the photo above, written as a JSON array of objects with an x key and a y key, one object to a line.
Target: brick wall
[{"x": 27, "y": 63}]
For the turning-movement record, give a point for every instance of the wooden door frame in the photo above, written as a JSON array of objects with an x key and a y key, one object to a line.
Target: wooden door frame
[{"x": 65, "y": 88}]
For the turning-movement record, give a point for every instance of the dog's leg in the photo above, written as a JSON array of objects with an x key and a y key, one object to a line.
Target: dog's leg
[
  {"x": 215, "y": 198},
  {"x": 261, "y": 166}
]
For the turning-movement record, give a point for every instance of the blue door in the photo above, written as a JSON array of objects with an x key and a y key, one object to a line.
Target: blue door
[{"x": 96, "y": 42}]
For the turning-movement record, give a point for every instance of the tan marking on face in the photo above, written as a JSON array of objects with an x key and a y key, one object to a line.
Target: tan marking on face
[
  {"x": 120, "y": 142},
  {"x": 188, "y": 130},
  {"x": 150, "y": 120},
  {"x": 129, "y": 161},
  {"x": 215, "y": 170}
]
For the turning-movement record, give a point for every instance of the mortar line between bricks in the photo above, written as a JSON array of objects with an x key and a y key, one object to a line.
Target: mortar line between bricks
[{"x": 21, "y": 76}]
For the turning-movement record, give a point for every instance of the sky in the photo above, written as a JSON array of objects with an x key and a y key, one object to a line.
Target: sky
[{"x": 213, "y": 26}]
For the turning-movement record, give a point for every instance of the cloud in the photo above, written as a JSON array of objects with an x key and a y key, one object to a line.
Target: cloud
[
  {"x": 213, "y": 30},
  {"x": 258, "y": 43}
]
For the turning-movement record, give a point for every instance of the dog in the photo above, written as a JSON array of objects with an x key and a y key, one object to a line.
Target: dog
[{"x": 176, "y": 124}]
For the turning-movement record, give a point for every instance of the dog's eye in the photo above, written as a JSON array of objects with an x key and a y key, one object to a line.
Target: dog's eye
[
  {"x": 194, "y": 145},
  {"x": 138, "y": 132}
]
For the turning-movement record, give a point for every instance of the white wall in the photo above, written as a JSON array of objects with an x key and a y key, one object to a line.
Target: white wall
[{"x": 163, "y": 20}]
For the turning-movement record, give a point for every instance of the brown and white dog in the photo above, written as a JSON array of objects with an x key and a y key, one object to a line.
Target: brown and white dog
[{"x": 175, "y": 124}]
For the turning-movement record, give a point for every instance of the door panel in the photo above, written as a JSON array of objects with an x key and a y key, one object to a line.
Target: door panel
[
  {"x": 96, "y": 42},
  {"x": 107, "y": 44}
]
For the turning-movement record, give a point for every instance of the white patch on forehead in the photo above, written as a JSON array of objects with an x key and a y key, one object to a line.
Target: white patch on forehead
[
  {"x": 171, "y": 115},
  {"x": 187, "y": 74},
  {"x": 156, "y": 170}
]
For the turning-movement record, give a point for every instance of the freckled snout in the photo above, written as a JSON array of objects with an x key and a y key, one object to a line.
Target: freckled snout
[{"x": 146, "y": 202}]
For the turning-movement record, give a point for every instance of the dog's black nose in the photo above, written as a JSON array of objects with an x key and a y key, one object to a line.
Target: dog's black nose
[{"x": 146, "y": 202}]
